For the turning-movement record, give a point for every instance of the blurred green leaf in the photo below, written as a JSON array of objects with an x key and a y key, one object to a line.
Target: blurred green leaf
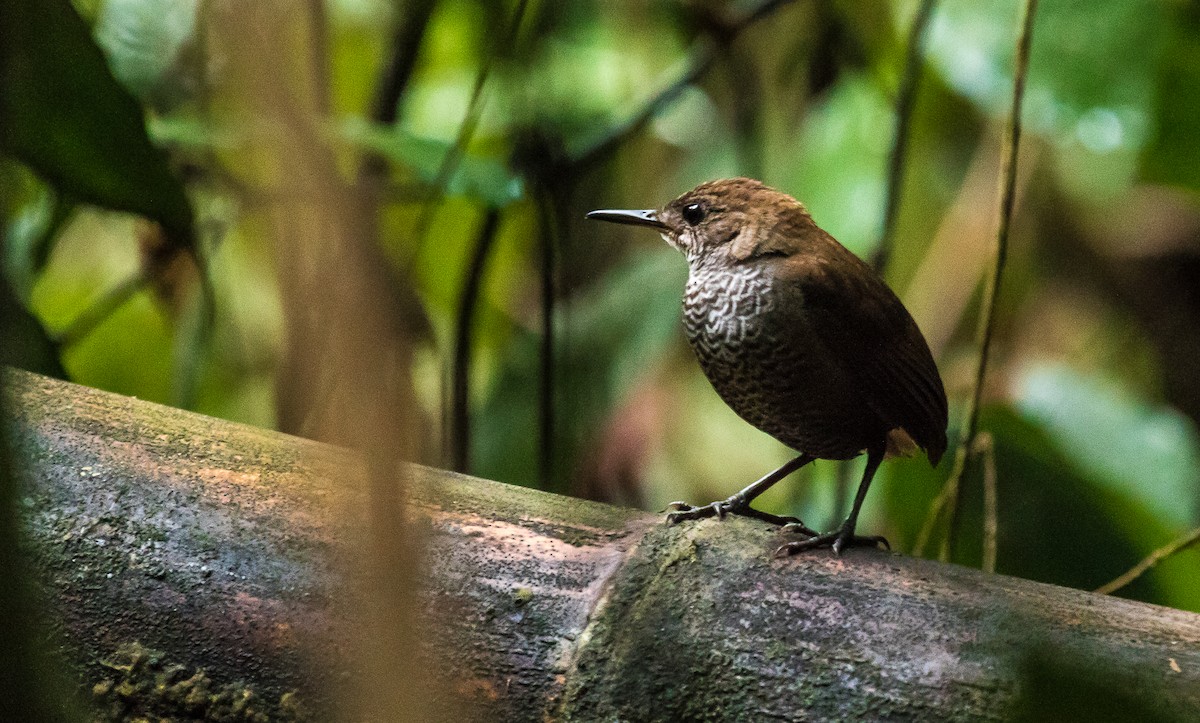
[
  {"x": 143, "y": 39},
  {"x": 1091, "y": 78},
  {"x": 187, "y": 132},
  {"x": 130, "y": 353},
  {"x": 1086, "y": 57},
  {"x": 841, "y": 157},
  {"x": 448, "y": 245},
  {"x": 1173, "y": 156},
  {"x": 631, "y": 316},
  {"x": 1149, "y": 453},
  {"x": 481, "y": 178},
  {"x": 62, "y": 113},
  {"x": 612, "y": 336},
  {"x": 1056, "y": 525},
  {"x": 29, "y": 237},
  {"x": 24, "y": 342}
]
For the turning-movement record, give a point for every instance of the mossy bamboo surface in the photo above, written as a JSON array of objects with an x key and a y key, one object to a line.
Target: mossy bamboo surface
[{"x": 235, "y": 550}]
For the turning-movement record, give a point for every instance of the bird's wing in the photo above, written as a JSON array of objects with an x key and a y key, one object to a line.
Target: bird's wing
[{"x": 871, "y": 337}]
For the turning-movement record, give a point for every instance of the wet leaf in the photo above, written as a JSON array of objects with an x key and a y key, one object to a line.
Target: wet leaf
[
  {"x": 143, "y": 39},
  {"x": 24, "y": 342},
  {"x": 611, "y": 337},
  {"x": 1173, "y": 156},
  {"x": 1147, "y": 452},
  {"x": 482, "y": 178},
  {"x": 63, "y": 114}
]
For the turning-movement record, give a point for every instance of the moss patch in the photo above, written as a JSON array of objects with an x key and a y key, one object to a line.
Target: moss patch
[{"x": 143, "y": 685}]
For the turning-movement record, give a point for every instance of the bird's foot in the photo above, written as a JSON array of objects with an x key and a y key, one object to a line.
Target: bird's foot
[
  {"x": 735, "y": 505},
  {"x": 837, "y": 541}
]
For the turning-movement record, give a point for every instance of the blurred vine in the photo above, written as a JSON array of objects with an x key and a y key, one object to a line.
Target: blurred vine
[
  {"x": 1171, "y": 548},
  {"x": 906, "y": 98},
  {"x": 949, "y": 497},
  {"x": 464, "y": 325}
]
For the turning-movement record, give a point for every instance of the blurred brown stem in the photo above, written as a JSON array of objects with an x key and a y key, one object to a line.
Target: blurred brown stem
[{"x": 318, "y": 22}]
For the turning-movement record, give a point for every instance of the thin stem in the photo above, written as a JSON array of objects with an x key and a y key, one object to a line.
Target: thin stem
[
  {"x": 905, "y": 101},
  {"x": 546, "y": 407},
  {"x": 455, "y": 425},
  {"x": 406, "y": 45},
  {"x": 933, "y": 516},
  {"x": 466, "y": 131},
  {"x": 1151, "y": 560},
  {"x": 385, "y": 106},
  {"x": 987, "y": 319},
  {"x": 100, "y": 311},
  {"x": 699, "y": 62},
  {"x": 990, "y": 502},
  {"x": 464, "y": 325}
]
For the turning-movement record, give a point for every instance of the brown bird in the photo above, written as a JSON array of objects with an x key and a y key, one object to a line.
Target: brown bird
[{"x": 800, "y": 337}]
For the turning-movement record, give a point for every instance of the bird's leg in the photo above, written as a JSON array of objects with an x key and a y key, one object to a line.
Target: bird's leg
[
  {"x": 844, "y": 536},
  {"x": 739, "y": 504}
]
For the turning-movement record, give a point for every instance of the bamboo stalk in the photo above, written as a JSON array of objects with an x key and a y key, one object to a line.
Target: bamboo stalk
[{"x": 238, "y": 551}]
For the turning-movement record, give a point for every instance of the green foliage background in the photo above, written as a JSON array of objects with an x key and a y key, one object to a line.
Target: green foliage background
[{"x": 116, "y": 107}]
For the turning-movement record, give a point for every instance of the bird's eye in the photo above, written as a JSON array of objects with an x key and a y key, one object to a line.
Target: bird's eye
[{"x": 693, "y": 213}]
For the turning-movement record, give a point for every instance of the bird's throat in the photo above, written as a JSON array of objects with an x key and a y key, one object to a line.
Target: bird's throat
[{"x": 725, "y": 308}]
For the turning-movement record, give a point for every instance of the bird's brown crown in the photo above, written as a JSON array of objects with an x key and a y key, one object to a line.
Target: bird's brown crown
[{"x": 736, "y": 219}]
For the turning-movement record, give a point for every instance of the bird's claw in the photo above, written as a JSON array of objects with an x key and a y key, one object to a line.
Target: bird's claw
[
  {"x": 837, "y": 541},
  {"x": 680, "y": 511},
  {"x": 799, "y": 527}
]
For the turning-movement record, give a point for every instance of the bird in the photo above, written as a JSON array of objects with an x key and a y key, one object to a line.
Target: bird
[{"x": 801, "y": 338}]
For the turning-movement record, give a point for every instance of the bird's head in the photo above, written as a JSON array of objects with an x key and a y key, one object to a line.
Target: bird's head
[{"x": 727, "y": 221}]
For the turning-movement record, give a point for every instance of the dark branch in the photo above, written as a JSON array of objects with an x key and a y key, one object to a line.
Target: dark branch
[
  {"x": 406, "y": 45},
  {"x": 463, "y": 326},
  {"x": 547, "y": 270},
  {"x": 511, "y": 580}
]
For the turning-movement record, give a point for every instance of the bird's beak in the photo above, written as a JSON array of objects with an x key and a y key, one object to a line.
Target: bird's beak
[{"x": 634, "y": 218}]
